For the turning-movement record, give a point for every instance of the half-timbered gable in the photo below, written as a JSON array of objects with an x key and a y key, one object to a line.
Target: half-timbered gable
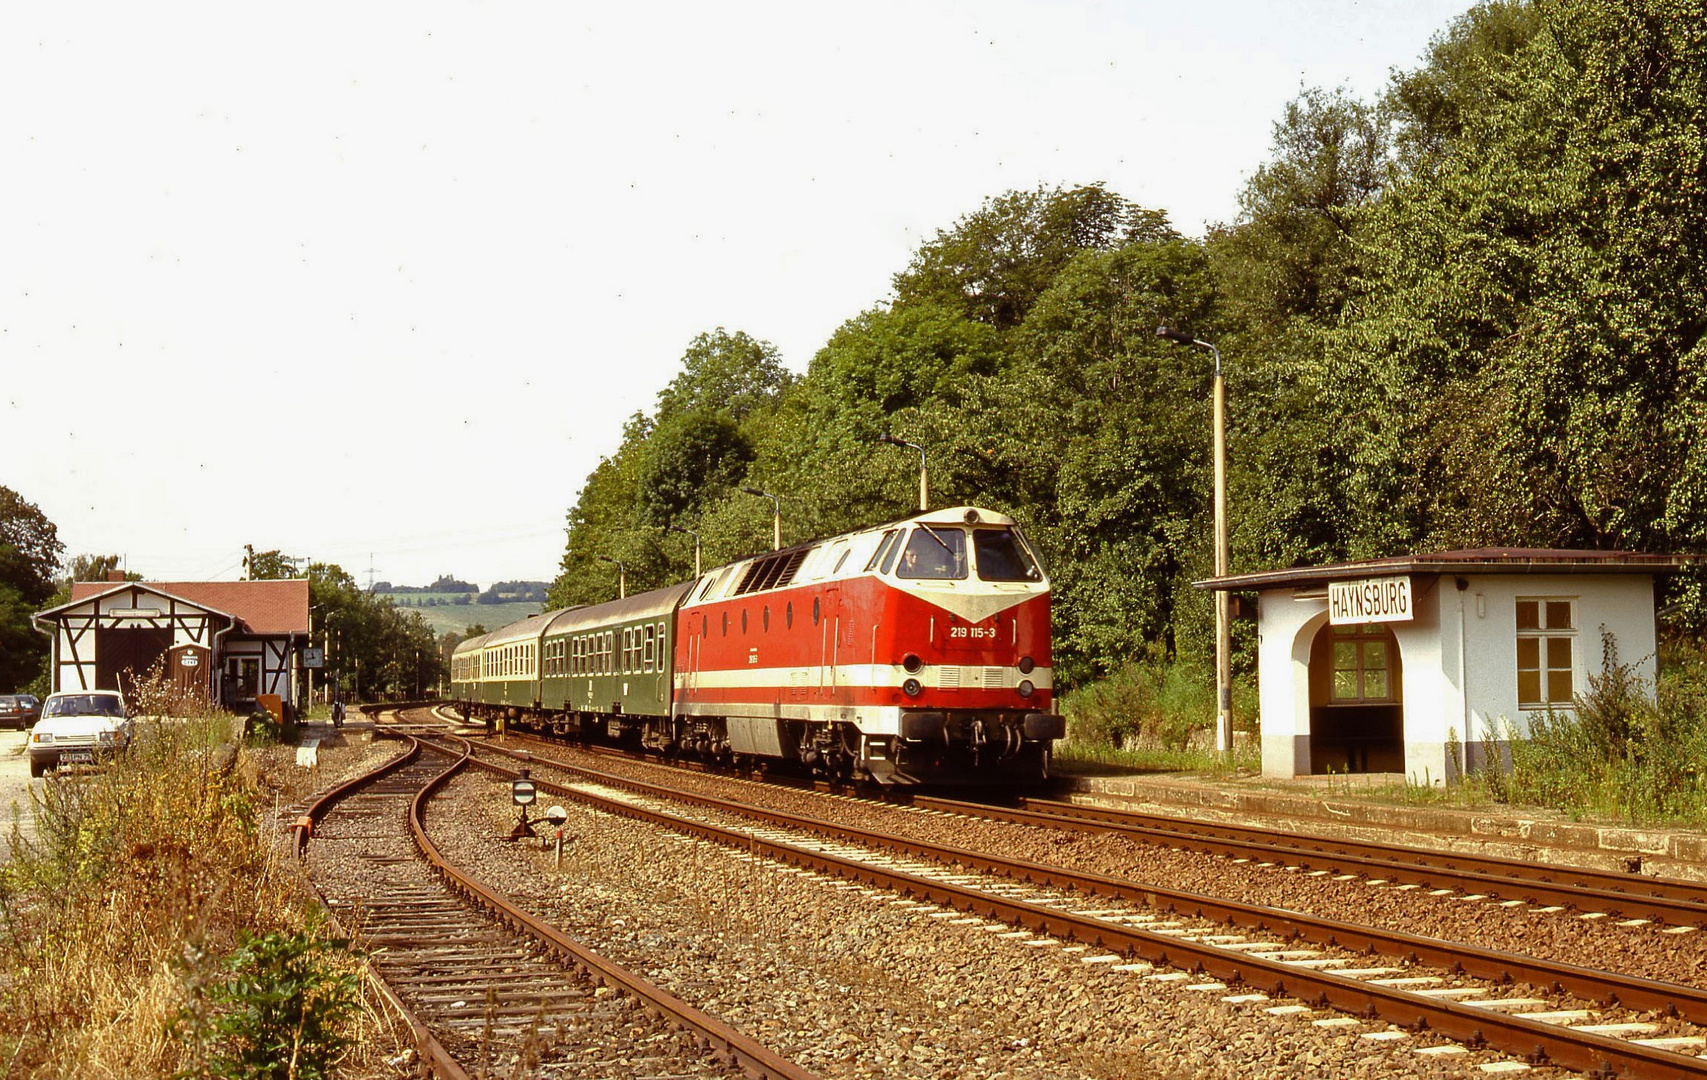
[{"x": 231, "y": 640}]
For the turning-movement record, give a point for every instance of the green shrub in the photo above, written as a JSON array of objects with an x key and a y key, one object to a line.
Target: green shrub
[
  {"x": 1148, "y": 703},
  {"x": 1622, "y": 753},
  {"x": 281, "y": 1012}
]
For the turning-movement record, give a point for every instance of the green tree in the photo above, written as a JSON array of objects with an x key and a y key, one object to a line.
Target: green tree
[
  {"x": 723, "y": 372},
  {"x": 691, "y": 456},
  {"x": 995, "y": 262},
  {"x": 272, "y": 565},
  {"x": 29, "y": 557},
  {"x": 1522, "y": 360}
]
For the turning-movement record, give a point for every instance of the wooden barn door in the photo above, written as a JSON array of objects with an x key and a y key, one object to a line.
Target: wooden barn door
[
  {"x": 191, "y": 670},
  {"x": 123, "y": 655}
]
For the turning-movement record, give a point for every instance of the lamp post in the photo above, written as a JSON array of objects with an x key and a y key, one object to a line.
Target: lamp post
[
  {"x": 621, "y": 576},
  {"x": 689, "y": 532},
  {"x": 312, "y": 608},
  {"x": 776, "y": 520},
  {"x": 924, "y": 476},
  {"x": 1223, "y": 632}
]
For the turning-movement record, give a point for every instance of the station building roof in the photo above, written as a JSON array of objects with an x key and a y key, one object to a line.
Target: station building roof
[
  {"x": 262, "y": 608},
  {"x": 1494, "y": 560}
]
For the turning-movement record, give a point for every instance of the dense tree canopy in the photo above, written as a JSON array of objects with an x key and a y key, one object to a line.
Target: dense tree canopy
[
  {"x": 1466, "y": 313},
  {"x": 29, "y": 560}
]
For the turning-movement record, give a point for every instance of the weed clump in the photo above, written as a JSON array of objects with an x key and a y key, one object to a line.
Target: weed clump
[
  {"x": 139, "y": 879},
  {"x": 1623, "y": 752}
]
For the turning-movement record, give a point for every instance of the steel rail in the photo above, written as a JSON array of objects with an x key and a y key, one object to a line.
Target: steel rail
[
  {"x": 1676, "y": 903},
  {"x": 437, "y": 1063},
  {"x": 1472, "y": 1025},
  {"x": 729, "y": 1045}
]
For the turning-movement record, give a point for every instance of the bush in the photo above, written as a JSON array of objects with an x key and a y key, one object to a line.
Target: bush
[
  {"x": 280, "y": 1013},
  {"x": 165, "y": 855},
  {"x": 1623, "y": 753},
  {"x": 1148, "y": 704}
]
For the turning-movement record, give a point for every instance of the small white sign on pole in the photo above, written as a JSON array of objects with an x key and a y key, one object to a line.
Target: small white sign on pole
[{"x": 1373, "y": 600}]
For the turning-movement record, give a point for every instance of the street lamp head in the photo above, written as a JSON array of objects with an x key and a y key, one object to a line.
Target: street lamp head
[
  {"x": 890, "y": 439},
  {"x": 755, "y": 491},
  {"x": 1178, "y": 337}
]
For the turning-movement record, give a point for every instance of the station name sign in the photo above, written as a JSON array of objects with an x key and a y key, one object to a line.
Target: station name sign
[{"x": 1373, "y": 600}]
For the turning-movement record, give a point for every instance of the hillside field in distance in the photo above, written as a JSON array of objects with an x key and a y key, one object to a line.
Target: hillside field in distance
[{"x": 449, "y": 616}]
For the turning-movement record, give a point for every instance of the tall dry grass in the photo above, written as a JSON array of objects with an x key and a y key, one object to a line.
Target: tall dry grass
[{"x": 141, "y": 878}]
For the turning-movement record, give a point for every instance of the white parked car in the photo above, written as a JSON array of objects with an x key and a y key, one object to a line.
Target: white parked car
[{"x": 78, "y": 727}]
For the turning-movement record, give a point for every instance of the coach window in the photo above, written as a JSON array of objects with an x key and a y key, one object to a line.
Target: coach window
[
  {"x": 663, "y": 646},
  {"x": 651, "y": 647},
  {"x": 1546, "y": 637}
]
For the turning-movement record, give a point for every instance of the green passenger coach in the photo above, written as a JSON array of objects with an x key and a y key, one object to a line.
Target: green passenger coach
[{"x": 576, "y": 670}]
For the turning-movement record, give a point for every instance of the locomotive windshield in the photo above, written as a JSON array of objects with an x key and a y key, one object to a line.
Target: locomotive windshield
[
  {"x": 934, "y": 551},
  {"x": 1002, "y": 556}
]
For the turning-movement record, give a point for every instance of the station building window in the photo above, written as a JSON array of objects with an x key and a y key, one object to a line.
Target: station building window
[
  {"x": 1362, "y": 657},
  {"x": 1546, "y": 652}
]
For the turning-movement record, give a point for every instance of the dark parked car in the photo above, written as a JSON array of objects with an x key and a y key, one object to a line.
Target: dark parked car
[{"x": 18, "y": 710}]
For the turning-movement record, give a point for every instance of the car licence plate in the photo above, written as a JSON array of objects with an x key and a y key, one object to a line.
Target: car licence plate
[{"x": 77, "y": 757}]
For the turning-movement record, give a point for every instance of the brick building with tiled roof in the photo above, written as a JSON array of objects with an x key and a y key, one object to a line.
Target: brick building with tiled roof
[{"x": 233, "y": 641}]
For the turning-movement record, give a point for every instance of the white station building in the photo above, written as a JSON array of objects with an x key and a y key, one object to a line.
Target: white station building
[{"x": 1420, "y": 664}]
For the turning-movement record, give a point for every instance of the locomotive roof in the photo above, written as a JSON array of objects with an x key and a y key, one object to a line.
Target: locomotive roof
[{"x": 799, "y": 563}]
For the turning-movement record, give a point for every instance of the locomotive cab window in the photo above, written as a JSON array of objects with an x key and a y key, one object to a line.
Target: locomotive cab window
[
  {"x": 934, "y": 552},
  {"x": 889, "y": 540},
  {"x": 1002, "y": 557}
]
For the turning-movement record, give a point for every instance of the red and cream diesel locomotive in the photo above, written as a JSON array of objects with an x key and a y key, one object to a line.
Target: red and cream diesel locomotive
[{"x": 913, "y": 652}]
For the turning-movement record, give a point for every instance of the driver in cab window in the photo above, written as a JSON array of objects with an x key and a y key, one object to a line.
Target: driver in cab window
[{"x": 937, "y": 553}]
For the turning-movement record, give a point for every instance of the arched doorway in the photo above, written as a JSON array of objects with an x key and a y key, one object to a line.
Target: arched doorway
[{"x": 1357, "y": 716}]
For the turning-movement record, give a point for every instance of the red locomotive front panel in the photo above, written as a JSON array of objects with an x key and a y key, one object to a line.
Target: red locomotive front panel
[{"x": 912, "y": 651}]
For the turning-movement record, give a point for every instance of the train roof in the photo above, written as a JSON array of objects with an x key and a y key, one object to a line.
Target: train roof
[
  {"x": 471, "y": 644},
  {"x": 528, "y": 629},
  {"x": 655, "y": 603},
  {"x": 844, "y": 555}
]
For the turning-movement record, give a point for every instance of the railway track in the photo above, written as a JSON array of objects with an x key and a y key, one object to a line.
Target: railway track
[
  {"x": 1579, "y": 1018},
  {"x": 483, "y": 983},
  {"x": 1629, "y": 895}
]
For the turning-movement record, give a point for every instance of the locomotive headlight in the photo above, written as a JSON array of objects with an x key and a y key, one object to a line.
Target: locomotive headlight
[
  {"x": 1026, "y": 664},
  {"x": 912, "y": 688},
  {"x": 912, "y": 664},
  {"x": 1025, "y": 688}
]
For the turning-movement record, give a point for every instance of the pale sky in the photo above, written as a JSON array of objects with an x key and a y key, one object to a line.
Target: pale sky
[{"x": 378, "y": 284}]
